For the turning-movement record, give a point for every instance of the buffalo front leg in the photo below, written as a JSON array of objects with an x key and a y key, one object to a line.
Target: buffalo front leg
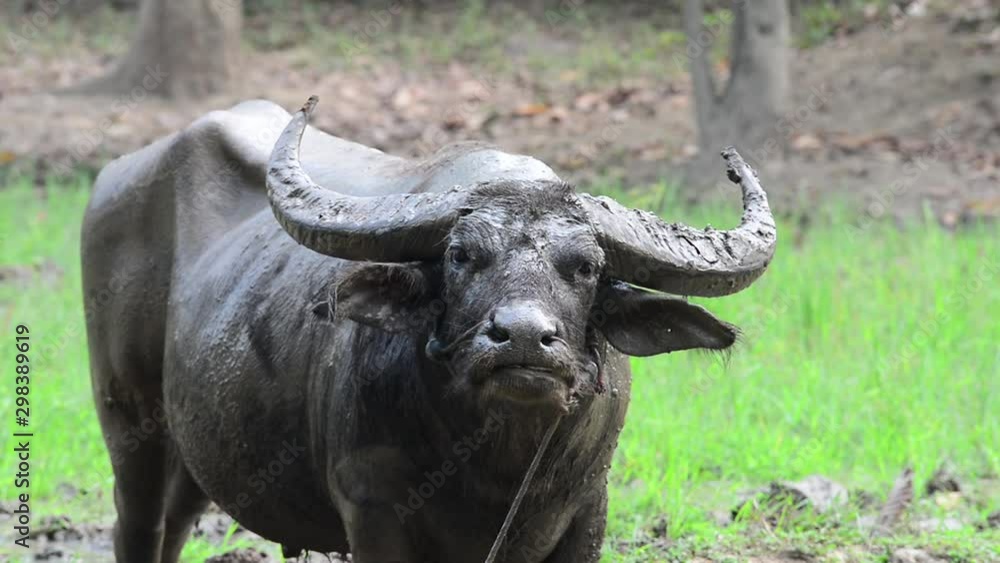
[
  {"x": 376, "y": 535},
  {"x": 583, "y": 540},
  {"x": 368, "y": 485},
  {"x": 185, "y": 503}
]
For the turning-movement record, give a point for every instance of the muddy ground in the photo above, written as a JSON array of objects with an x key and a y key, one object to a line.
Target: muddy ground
[{"x": 881, "y": 526}]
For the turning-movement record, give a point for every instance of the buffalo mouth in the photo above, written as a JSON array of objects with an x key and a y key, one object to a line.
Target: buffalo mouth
[{"x": 529, "y": 383}]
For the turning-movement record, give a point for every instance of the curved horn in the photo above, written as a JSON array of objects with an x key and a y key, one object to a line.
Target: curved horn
[
  {"x": 391, "y": 228},
  {"x": 643, "y": 250}
]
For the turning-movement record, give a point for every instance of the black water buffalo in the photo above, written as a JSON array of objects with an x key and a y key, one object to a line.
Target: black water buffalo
[{"x": 371, "y": 365}]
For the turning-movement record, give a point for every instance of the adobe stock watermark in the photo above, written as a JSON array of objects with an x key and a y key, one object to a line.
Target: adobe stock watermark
[
  {"x": 542, "y": 541},
  {"x": 88, "y": 142},
  {"x": 259, "y": 481},
  {"x": 781, "y": 132},
  {"x": 231, "y": 170},
  {"x": 704, "y": 40},
  {"x": 483, "y": 90},
  {"x": 96, "y": 301},
  {"x": 943, "y": 140},
  {"x": 34, "y": 24},
  {"x": 71, "y": 333},
  {"x": 609, "y": 134},
  {"x": 137, "y": 434},
  {"x": 790, "y": 123},
  {"x": 364, "y": 33},
  {"x": 984, "y": 274},
  {"x": 462, "y": 450},
  {"x": 562, "y": 12},
  {"x": 222, "y": 176},
  {"x": 755, "y": 325}
]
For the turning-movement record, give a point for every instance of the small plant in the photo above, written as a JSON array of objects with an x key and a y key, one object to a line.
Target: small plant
[{"x": 818, "y": 22}]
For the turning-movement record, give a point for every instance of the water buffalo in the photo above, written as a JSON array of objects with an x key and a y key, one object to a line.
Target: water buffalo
[{"x": 371, "y": 365}]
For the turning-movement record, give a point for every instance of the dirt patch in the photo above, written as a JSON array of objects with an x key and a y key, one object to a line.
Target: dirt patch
[
  {"x": 61, "y": 539},
  {"x": 240, "y": 556},
  {"x": 910, "y": 115}
]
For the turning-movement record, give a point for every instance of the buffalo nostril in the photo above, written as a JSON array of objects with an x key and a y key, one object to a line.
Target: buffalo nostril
[
  {"x": 549, "y": 338},
  {"x": 525, "y": 325},
  {"x": 497, "y": 334}
]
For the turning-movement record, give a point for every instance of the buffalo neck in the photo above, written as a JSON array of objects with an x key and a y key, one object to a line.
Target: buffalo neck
[
  {"x": 500, "y": 438},
  {"x": 414, "y": 406}
]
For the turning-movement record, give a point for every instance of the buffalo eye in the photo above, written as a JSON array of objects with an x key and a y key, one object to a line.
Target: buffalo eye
[
  {"x": 577, "y": 267},
  {"x": 458, "y": 255}
]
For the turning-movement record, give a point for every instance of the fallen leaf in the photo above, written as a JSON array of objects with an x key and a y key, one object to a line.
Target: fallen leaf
[
  {"x": 993, "y": 520},
  {"x": 473, "y": 90},
  {"x": 653, "y": 152},
  {"x": 620, "y": 95},
  {"x": 943, "y": 480},
  {"x": 404, "y": 98},
  {"x": 529, "y": 110},
  {"x": 949, "y": 220},
  {"x": 807, "y": 142},
  {"x": 569, "y": 76},
  {"x": 558, "y": 114},
  {"x": 899, "y": 500},
  {"x": 948, "y": 501},
  {"x": 857, "y": 143},
  {"x": 588, "y": 101}
]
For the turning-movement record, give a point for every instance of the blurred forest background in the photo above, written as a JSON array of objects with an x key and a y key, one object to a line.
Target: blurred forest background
[
  {"x": 891, "y": 104},
  {"x": 867, "y": 386}
]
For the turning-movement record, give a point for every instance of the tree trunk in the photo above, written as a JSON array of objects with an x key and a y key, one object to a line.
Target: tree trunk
[
  {"x": 183, "y": 49},
  {"x": 746, "y": 112}
]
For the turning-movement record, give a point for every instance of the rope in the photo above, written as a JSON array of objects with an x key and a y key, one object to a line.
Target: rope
[{"x": 521, "y": 492}]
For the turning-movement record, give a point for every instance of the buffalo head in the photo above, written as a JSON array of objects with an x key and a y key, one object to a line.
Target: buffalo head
[{"x": 516, "y": 285}]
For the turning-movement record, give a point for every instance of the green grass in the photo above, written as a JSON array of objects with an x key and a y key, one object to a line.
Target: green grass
[
  {"x": 819, "y": 21},
  {"x": 589, "y": 43},
  {"x": 579, "y": 40},
  {"x": 103, "y": 31},
  {"x": 863, "y": 351}
]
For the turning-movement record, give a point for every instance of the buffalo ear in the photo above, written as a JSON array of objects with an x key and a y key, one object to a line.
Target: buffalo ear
[
  {"x": 392, "y": 297},
  {"x": 643, "y": 323}
]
